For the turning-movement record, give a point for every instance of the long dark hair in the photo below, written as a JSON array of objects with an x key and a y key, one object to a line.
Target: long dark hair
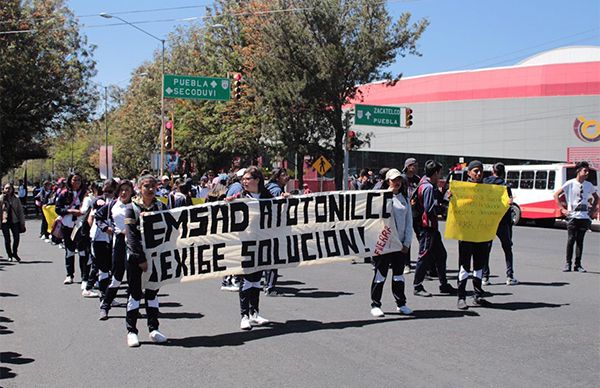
[{"x": 257, "y": 174}]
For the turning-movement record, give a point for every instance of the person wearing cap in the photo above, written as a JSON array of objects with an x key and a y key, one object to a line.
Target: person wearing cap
[
  {"x": 504, "y": 231},
  {"x": 381, "y": 183},
  {"x": 381, "y": 263},
  {"x": 306, "y": 189},
  {"x": 431, "y": 248},
  {"x": 581, "y": 202},
  {"x": 477, "y": 251},
  {"x": 165, "y": 188}
]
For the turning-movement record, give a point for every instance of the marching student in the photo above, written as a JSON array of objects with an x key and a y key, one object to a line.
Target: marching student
[
  {"x": 69, "y": 206},
  {"x": 431, "y": 248},
  {"x": 276, "y": 186},
  {"x": 137, "y": 263},
  {"x": 101, "y": 257},
  {"x": 111, "y": 220},
  {"x": 254, "y": 187},
  {"x": 467, "y": 250},
  {"x": 381, "y": 263}
]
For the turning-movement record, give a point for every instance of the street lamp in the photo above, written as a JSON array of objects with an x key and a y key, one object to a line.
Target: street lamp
[{"x": 162, "y": 95}]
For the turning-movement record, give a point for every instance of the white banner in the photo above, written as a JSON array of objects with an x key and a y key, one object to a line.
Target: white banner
[{"x": 248, "y": 235}]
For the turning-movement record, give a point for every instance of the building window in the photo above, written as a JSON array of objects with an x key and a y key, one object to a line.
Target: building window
[{"x": 526, "y": 180}]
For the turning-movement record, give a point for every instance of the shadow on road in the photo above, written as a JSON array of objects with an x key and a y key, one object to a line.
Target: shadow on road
[
  {"x": 551, "y": 284},
  {"x": 515, "y": 306},
  {"x": 302, "y": 293},
  {"x": 35, "y": 262},
  {"x": 11, "y": 358},
  {"x": 5, "y": 294},
  {"x": 300, "y": 326}
]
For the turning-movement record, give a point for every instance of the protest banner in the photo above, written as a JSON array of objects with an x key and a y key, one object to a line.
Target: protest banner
[
  {"x": 49, "y": 212},
  {"x": 475, "y": 211},
  {"x": 249, "y": 235}
]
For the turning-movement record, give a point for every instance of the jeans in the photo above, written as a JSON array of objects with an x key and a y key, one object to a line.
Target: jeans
[{"x": 576, "y": 229}]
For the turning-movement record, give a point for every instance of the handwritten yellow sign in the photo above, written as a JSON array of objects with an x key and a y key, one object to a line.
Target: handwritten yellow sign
[
  {"x": 475, "y": 211},
  {"x": 50, "y": 215}
]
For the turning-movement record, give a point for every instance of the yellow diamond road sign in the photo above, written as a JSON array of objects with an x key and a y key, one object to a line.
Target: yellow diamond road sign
[{"x": 322, "y": 165}]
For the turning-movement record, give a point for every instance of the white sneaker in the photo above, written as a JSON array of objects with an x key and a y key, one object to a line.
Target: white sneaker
[
  {"x": 68, "y": 280},
  {"x": 257, "y": 320},
  {"x": 406, "y": 269},
  {"x": 89, "y": 294},
  {"x": 42, "y": 237},
  {"x": 377, "y": 312},
  {"x": 157, "y": 337},
  {"x": 83, "y": 285},
  {"x": 404, "y": 310},
  {"x": 245, "y": 323},
  {"x": 512, "y": 282},
  {"x": 486, "y": 282},
  {"x": 46, "y": 240},
  {"x": 61, "y": 246},
  {"x": 132, "y": 340},
  {"x": 230, "y": 287}
]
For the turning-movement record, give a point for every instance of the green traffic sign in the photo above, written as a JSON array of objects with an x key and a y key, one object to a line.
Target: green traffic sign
[
  {"x": 380, "y": 116},
  {"x": 196, "y": 88}
]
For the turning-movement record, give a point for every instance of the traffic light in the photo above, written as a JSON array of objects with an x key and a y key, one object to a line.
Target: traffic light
[
  {"x": 408, "y": 117},
  {"x": 352, "y": 140},
  {"x": 169, "y": 134},
  {"x": 237, "y": 86}
]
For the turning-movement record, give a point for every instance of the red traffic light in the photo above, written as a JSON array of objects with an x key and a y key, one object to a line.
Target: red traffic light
[
  {"x": 169, "y": 124},
  {"x": 237, "y": 76}
]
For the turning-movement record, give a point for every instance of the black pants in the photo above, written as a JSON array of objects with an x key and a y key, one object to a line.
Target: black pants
[
  {"x": 467, "y": 251},
  {"x": 270, "y": 279},
  {"x": 250, "y": 293},
  {"x": 44, "y": 227},
  {"x": 576, "y": 229},
  {"x": 15, "y": 229},
  {"x": 134, "y": 280},
  {"x": 81, "y": 244},
  {"x": 504, "y": 233},
  {"x": 101, "y": 260},
  {"x": 431, "y": 251},
  {"x": 381, "y": 264},
  {"x": 119, "y": 260}
]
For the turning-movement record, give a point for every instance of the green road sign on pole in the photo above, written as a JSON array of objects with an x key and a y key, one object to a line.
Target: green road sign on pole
[
  {"x": 196, "y": 88},
  {"x": 379, "y": 116}
]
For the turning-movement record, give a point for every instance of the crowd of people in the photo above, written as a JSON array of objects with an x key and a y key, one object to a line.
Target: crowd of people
[{"x": 99, "y": 224}]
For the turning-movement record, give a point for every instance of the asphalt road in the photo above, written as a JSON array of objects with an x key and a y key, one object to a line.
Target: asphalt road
[{"x": 543, "y": 332}]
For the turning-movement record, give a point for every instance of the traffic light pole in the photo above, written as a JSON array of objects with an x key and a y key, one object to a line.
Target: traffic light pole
[{"x": 162, "y": 112}]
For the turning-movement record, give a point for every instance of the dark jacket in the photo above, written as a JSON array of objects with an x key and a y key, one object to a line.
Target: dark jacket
[{"x": 132, "y": 226}]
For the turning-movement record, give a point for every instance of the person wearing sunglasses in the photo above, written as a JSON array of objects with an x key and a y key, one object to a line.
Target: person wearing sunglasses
[{"x": 581, "y": 202}]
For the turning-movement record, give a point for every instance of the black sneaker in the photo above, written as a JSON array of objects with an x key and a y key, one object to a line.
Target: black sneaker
[
  {"x": 479, "y": 301},
  {"x": 103, "y": 315},
  {"x": 447, "y": 289},
  {"x": 567, "y": 268},
  {"x": 462, "y": 304},
  {"x": 272, "y": 293},
  {"x": 422, "y": 292},
  {"x": 577, "y": 268}
]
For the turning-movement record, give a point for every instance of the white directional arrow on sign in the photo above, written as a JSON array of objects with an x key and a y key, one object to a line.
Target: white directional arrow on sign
[
  {"x": 368, "y": 114},
  {"x": 169, "y": 90},
  {"x": 213, "y": 84}
]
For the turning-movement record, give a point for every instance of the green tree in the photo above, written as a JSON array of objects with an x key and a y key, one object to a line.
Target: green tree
[
  {"x": 316, "y": 55},
  {"x": 44, "y": 77}
]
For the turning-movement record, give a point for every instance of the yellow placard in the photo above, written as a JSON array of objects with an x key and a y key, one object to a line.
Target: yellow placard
[
  {"x": 50, "y": 215},
  {"x": 475, "y": 211},
  {"x": 322, "y": 165}
]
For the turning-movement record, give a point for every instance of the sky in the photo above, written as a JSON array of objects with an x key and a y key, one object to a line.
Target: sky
[{"x": 463, "y": 34}]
